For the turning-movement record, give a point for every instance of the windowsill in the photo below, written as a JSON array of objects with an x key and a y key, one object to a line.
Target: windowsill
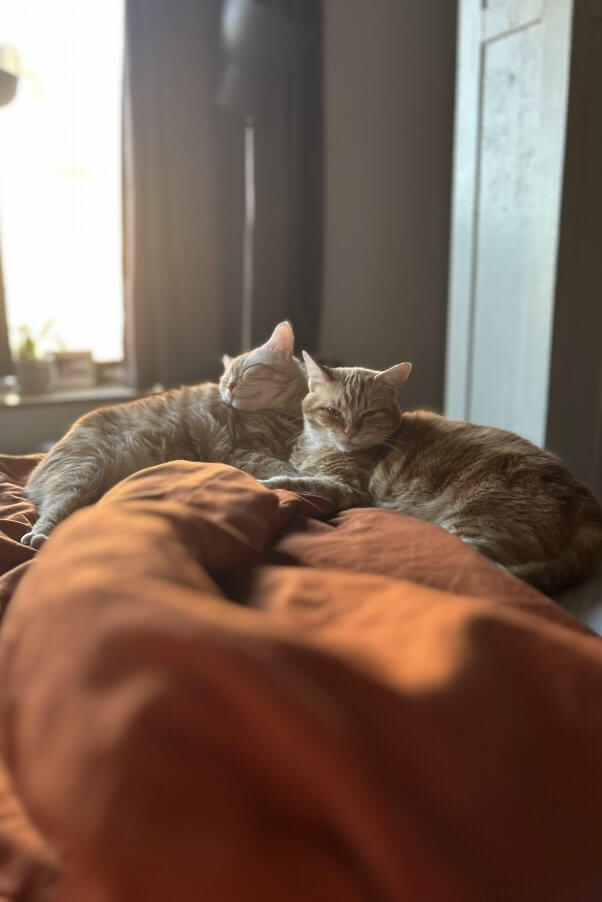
[{"x": 74, "y": 395}]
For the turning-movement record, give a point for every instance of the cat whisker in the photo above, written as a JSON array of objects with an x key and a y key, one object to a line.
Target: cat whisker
[
  {"x": 306, "y": 498},
  {"x": 395, "y": 443}
]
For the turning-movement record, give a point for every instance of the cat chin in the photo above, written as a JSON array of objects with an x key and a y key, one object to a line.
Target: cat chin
[
  {"x": 348, "y": 447},
  {"x": 241, "y": 404},
  {"x": 232, "y": 401}
]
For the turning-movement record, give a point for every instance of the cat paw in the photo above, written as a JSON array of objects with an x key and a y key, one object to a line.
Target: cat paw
[
  {"x": 278, "y": 482},
  {"x": 34, "y": 539}
]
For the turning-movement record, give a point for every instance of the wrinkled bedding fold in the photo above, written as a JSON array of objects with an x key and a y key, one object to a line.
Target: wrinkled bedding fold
[{"x": 207, "y": 691}]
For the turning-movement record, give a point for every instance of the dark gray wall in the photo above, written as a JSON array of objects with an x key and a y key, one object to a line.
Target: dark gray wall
[
  {"x": 389, "y": 89},
  {"x": 574, "y": 428}
]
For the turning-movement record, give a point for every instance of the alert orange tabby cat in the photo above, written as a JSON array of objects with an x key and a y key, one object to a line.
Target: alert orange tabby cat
[
  {"x": 507, "y": 498},
  {"x": 255, "y": 406}
]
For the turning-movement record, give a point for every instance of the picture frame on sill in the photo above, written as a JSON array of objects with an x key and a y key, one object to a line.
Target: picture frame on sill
[{"x": 74, "y": 369}]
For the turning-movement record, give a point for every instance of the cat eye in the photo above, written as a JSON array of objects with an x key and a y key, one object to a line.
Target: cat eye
[
  {"x": 370, "y": 413},
  {"x": 332, "y": 411},
  {"x": 263, "y": 366},
  {"x": 256, "y": 368}
]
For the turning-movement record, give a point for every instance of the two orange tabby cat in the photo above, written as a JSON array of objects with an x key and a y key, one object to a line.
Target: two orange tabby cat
[
  {"x": 499, "y": 493},
  {"x": 255, "y": 406},
  {"x": 507, "y": 498}
]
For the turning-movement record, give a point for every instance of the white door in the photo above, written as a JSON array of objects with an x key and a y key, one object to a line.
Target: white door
[{"x": 511, "y": 102}]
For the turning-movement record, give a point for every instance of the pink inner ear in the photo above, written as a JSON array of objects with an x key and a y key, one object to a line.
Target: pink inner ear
[
  {"x": 281, "y": 342},
  {"x": 315, "y": 374},
  {"x": 396, "y": 376}
]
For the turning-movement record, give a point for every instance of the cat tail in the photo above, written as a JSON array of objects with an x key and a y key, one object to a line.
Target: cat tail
[{"x": 576, "y": 562}]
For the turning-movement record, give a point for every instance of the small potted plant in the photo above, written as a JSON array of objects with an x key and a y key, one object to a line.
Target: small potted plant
[{"x": 34, "y": 370}]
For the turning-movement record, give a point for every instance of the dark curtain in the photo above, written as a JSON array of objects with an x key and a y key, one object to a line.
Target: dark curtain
[
  {"x": 172, "y": 287},
  {"x": 183, "y": 191},
  {"x": 287, "y": 112}
]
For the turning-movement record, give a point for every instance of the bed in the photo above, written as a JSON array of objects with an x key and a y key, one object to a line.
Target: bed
[{"x": 210, "y": 690}]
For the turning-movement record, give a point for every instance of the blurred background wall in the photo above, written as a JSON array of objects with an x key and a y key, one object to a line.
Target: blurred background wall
[{"x": 389, "y": 105}]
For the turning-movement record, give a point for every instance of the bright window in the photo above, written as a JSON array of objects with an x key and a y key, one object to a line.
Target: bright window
[{"x": 60, "y": 173}]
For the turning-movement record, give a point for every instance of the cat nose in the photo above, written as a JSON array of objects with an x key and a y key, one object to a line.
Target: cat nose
[
  {"x": 350, "y": 432},
  {"x": 231, "y": 386}
]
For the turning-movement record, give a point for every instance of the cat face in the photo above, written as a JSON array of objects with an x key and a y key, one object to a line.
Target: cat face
[
  {"x": 267, "y": 377},
  {"x": 351, "y": 408}
]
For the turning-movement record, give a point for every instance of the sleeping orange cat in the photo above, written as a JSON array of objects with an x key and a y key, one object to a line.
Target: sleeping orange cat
[
  {"x": 512, "y": 501},
  {"x": 255, "y": 406}
]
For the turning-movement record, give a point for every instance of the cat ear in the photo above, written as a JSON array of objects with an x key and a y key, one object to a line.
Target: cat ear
[
  {"x": 282, "y": 340},
  {"x": 396, "y": 375},
  {"x": 316, "y": 375},
  {"x": 226, "y": 361}
]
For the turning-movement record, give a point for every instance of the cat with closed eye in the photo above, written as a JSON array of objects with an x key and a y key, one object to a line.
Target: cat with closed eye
[
  {"x": 507, "y": 498},
  {"x": 247, "y": 420}
]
